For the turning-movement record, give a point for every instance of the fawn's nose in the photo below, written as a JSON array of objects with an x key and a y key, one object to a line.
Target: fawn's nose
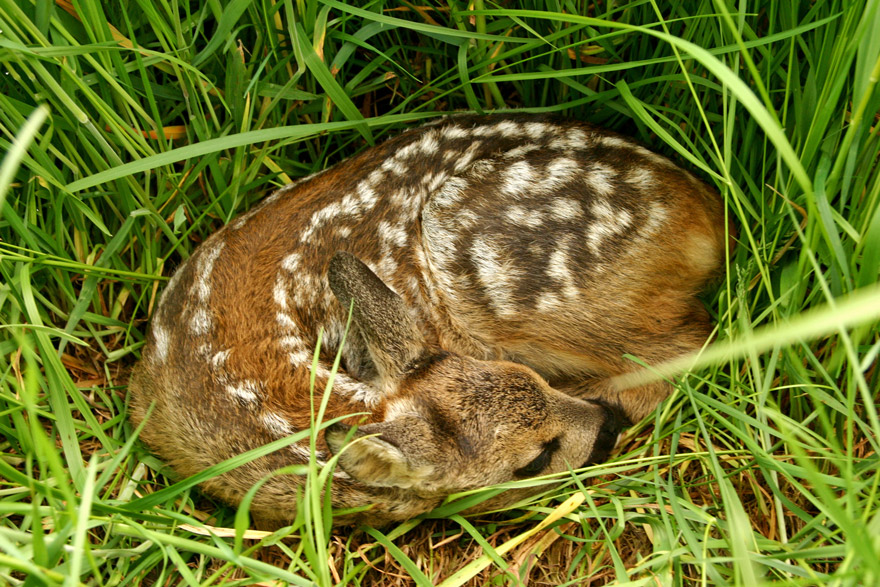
[{"x": 613, "y": 421}]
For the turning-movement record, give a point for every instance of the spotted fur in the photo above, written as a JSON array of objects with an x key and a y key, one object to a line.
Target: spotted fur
[{"x": 500, "y": 269}]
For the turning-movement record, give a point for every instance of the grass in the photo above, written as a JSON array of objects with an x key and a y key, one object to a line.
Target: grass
[{"x": 131, "y": 130}]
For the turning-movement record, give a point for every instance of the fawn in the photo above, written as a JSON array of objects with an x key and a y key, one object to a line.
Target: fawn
[{"x": 500, "y": 267}]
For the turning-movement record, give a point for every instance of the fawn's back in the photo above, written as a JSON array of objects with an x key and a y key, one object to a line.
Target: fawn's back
[{"x": 552, "y": 245}]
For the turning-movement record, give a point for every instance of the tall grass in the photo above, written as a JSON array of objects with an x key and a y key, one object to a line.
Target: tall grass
[{"x": 132, "y": 129}]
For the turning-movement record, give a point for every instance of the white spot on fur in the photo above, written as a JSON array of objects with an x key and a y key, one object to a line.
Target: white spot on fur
[
  {"x": 387, "y": 265},
  {"x": 657, "y": 216},
  {"x": 279, "y": 293},
  {"x": 600, "y": 178},
  {"x": 606, "y": 224},
  {"x": 496, "y": 275},
  {"x": 482, "y": 131},
  {"x": 246, "y": 391},
  {"x": 521, "y": 216},
  {"x": 350, "y": 204},
  {"x": 276, "y": 424},
  {"x": 616, "y": 142},
  {"x": 467, "y": 156},
  {"x": 300, "y": 357},
  {"x": 428, "y": 143},
  {"x": 558, "y": 268},
  {"x": 537, "y": 130},
  {"x": 455, "y": 132},
  {"x": 481, "y": 168},
  {"x": 548, "y": 303},
  {"x": 566, "y": 209},
  {"x": 521, "y": 151},
  {"x": 291, "y": 262},
  {"x": 399, "y": 198},
  {"x": 563, "y": 169},
  {"x": 288, "y": 188},
  {"x": 642, "y": 178},
  {"x": 200, "y": 323},
  {"x": 573, "y": 140},
  {"x": 308, "y": 289},
  {"x": 557, "y": 173},
  {"x": 291, "y": 342},
  {"x": 368, "y": 197},
  {"x": 518, "y": 178},
  {"x": 576, "y": 135},
  {"x": 392, "y": 234},
  {"x": 202, "y": 282},
  {"x": 435, "y": 180},
  {"x": 219, "y": 359},
  {"x": 506, "y": 128},
  {"x": 285, "y": 321},
  {"x": 394, "y": 166},
  {"x": 344, "y": 231},
  {"x": 467, "y": 219},
  {"x": 414, "y": 287},
  {"x": 239, "y": 222},
  {"x": 406, "y": 151},
  {"x": 321, "y": 217},
  {"x": 410, "y": 201},
  {"x": 162, "y": 340},
  {"x": 450, "y": 193}
]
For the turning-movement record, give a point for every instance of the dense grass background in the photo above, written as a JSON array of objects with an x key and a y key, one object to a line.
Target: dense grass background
[{"x": 132, "y": 129}]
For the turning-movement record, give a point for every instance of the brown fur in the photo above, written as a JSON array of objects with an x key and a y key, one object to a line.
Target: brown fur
[{"x": 519, "y": 251}]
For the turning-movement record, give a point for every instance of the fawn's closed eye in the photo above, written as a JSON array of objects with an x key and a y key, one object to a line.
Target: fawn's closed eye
[{"x": 540, "y": 462}]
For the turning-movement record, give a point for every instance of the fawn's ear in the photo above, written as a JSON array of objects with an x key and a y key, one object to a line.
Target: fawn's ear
[
  {"x": 384, "y": 454},
  {"x": 391, "y": 335}
]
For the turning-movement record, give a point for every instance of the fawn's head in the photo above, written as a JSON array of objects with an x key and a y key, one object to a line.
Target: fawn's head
[{"x": 452, "y": 422}]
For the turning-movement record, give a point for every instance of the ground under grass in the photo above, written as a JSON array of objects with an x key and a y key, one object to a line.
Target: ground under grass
[{"x": 132, "y": 129}]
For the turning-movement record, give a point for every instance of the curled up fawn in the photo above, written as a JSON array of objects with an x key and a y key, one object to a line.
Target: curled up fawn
[{"x": 499, "y": 268}]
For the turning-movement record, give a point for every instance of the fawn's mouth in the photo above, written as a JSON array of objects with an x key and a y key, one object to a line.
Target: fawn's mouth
[{"x": 614, "y": 420}]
